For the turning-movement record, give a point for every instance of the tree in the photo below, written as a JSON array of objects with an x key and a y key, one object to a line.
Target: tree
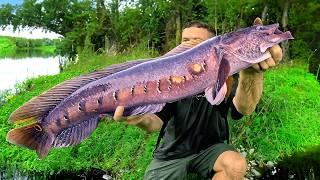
[
  {"x": 285, "y": 44},
  {"x": 6, "y": 14}
]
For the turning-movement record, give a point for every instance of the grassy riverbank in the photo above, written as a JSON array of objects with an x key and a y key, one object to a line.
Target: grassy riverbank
[
  {"x": 10, "y": 46},
  {"x": 287, "y": 120},
  {"x": 7, "y": 46}
]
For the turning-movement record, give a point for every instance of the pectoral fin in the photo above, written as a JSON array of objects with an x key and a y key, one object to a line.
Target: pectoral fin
[
  {"x": 219, "y": 96},
  {"x": 216, "y": 94}
]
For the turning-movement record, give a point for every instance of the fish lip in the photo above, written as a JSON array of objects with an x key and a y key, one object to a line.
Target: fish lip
[{"x": 272, "y": 29}]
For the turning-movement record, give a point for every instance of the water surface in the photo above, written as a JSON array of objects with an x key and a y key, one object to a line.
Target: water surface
[{"x": 14, "y": 71}]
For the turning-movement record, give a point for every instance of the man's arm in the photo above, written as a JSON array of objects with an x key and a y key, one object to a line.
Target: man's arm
[
  {"x": 248, "y": 92},
  {"x": 250, "y": 83}
]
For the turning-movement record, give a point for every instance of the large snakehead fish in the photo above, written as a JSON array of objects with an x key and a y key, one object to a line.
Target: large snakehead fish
[{"x": 70, "y": 112}]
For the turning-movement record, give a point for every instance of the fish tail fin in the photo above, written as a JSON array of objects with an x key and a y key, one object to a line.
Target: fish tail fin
[{"x": 31, "y": 136}]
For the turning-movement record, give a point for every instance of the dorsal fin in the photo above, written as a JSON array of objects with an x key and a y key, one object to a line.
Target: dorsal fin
[
  {"x": 39, "y": 106},
  {"x": 183, "y": 47}
]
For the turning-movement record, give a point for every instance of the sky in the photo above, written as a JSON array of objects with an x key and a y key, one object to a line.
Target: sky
[
  {"x": 30, "y": 33},
  {"x": 11, "y": 1}
]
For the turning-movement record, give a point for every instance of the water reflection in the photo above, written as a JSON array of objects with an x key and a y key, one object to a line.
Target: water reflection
[
  {"x": 14, "y": 70},
  {"x": 23, "y": 53}
]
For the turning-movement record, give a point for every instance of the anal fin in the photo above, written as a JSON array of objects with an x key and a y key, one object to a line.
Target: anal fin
[
  {"x": 144, "y": 109},
  {"x": 75, "y": 134}
]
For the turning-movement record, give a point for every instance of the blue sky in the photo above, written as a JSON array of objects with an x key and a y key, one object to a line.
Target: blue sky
[{"x": 11, "y": 1}]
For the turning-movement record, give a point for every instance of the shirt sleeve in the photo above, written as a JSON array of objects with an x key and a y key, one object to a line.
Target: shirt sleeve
[{"x": 167, "y": 112}]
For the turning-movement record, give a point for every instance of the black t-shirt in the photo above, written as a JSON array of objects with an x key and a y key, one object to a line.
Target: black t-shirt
[{"x": 193, "y": 124}]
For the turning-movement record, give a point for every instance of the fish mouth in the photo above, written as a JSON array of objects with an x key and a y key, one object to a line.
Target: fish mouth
[
  {"x": 272, "y": 29},
  {"x": 274, "y": 39}
]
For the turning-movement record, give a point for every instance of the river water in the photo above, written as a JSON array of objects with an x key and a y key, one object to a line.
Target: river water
[{"x": 15, "y": 70}]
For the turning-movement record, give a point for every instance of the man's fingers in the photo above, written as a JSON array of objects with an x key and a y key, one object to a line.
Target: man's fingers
[
  {"x": 256, "y": 67},
  {"x": 270, "y": 62},
  {"x": 263, "y": 65},
  {"x": 276, "y": 53},
  {"x": 118, "y": 113},
  {"x": 134, "y": 119},
  {"x": 257, "y": 21}
]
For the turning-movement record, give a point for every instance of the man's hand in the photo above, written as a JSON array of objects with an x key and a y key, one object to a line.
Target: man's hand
[
  {"x": 148, "y": 122},
  {"x": 275, "y": 51}
]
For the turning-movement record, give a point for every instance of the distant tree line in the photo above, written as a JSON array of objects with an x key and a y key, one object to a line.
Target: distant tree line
[
  {"x": 33, "y": 43},
  {"x": 101, "y": 25}
]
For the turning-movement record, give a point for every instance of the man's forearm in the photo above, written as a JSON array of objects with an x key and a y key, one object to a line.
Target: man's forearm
[
  {"x": 248, "y": 92},
  {"x": 147, "y": 122}
]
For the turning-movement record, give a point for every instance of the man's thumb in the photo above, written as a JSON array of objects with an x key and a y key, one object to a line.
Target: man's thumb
[
  {"x": 257, "y": 21},
  {"x": 118, "y": 113}
]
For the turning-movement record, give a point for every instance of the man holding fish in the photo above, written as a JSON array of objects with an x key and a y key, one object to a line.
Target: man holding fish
[
  {"x": 194, "y": 131},
  {"x": 195, "y": 123}
]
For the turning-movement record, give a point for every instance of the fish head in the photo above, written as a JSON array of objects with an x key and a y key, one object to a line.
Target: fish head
[
  {"x": 251, "y": 44},
  {"x": 269, "y": 36}
]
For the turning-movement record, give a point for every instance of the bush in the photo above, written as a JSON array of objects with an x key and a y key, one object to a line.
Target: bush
[{"x": 300, "y": 50}]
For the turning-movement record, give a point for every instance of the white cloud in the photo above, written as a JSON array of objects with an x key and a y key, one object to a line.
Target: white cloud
[{"x": 29, "y": 32}]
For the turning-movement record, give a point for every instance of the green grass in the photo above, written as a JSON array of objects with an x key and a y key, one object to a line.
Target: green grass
[
  {"x": 7, "y": 46},
  {"x": 287, "y": 121}
]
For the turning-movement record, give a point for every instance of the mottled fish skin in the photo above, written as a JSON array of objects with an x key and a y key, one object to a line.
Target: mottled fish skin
[
  {"x": 154, "y": 82},
  {"x": 146, "y": 87}
]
